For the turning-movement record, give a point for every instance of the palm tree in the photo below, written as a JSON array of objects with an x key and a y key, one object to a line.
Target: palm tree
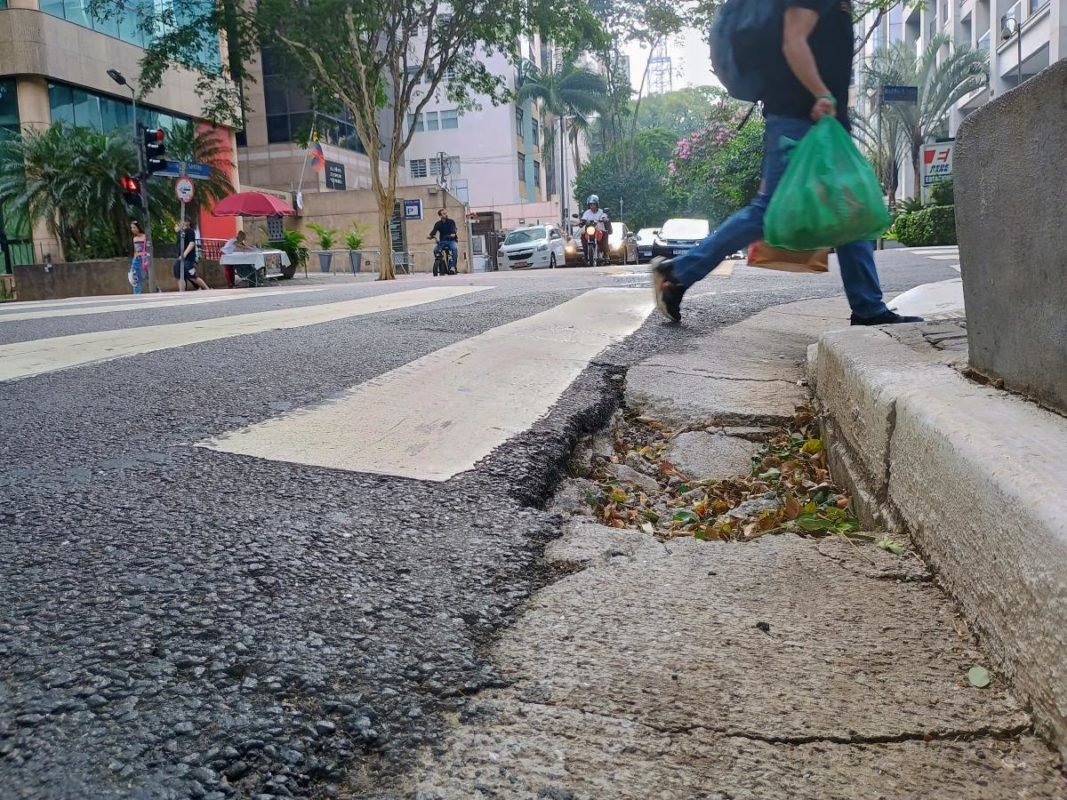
[
  {"x": 884, "y": 147},
  {"x": 69, "y": 179},
  {"x": 941, "y": 82},
  {"x": 566, "y": 91},
  {"x": 205, "y": 146}
]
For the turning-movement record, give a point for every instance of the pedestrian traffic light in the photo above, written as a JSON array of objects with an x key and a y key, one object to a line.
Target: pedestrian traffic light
[
  {"x": 154, "y": 150},
  {"x": 131, "y": 191}
]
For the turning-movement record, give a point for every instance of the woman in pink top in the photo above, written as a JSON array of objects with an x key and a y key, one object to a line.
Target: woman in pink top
[{"x": 139, "y": 265}]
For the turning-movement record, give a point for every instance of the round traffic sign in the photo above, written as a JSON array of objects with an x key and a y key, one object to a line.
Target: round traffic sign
[{"x": 183, "y": 188}]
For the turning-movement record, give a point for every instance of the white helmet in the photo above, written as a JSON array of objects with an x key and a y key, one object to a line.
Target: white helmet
[{"x": 593, "y": 200}]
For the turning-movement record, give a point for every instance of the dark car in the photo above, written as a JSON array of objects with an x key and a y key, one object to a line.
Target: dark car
[
  {"x": 678, "y": 236},
  {"x": 646, "y": 237}
]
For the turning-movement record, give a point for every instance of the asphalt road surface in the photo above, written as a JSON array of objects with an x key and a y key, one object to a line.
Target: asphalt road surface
[{"x": 253, "y": 543}]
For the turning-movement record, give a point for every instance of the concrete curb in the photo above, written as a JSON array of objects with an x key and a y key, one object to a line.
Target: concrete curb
[{"x": 975, "y": 476}]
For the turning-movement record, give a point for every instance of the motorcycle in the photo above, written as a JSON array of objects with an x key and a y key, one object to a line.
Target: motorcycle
[{"x": 592, "y": 236}]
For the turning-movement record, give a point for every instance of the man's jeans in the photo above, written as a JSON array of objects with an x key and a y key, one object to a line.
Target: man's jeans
[
  {"x": 452, "y": 247},
  {"x": 856, "y": 260}
]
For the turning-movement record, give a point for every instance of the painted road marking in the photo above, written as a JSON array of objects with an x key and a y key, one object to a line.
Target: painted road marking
[
  {"x": 943, "y": 256},
  {"x": 725, "y": 269},
  {"x": 198, "y": 299},
  {"x": 24, "y": 359},
  {"x": 443, "y": 413}
]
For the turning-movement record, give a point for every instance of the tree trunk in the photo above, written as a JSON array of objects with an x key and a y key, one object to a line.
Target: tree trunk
[
  {"x": 386, "y": 272},
  {"x": 916, "y": 152}
]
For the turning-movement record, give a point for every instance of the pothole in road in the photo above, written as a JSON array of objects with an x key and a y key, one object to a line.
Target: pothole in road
[{"x": 716, "y": 483}]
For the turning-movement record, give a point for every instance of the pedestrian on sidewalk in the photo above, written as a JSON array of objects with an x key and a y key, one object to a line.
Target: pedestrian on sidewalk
[
  {"x": 185, "y": 266},
  {"x": 139, "y": 264},
  {"x": 807, "y": 79}
]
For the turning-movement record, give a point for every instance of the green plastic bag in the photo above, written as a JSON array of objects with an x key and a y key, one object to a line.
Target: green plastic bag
[{"x": 829, "y": 195}]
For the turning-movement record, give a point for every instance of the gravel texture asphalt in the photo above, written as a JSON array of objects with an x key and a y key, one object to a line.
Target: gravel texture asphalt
[{"x": 182, "y": 623}]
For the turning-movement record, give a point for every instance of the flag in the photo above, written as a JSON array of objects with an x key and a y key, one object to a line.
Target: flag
[{"x": 318, "y": 158}]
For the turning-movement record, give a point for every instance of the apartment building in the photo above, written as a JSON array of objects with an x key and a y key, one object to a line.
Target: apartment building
[
  {"x": 492, "y": 157},
  {"x": 1005, "y": 29},
  {"x": 54, "y": 62}
]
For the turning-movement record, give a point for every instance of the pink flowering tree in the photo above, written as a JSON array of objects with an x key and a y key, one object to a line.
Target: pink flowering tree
[{"x": 718, "y": 166}]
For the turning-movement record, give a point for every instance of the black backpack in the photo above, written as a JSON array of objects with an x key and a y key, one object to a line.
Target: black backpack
[{"x": 747, "y": 34}]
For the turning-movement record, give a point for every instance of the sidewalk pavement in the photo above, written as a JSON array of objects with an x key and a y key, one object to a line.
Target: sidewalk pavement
[{"x": 772, "y": 668}]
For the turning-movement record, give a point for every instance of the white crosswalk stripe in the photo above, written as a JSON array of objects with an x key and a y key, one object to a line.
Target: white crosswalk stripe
[
  {"x": 441, "y": 414},
  {"x": 190, "y": 299},
  {"x": 25, "y": 359}
]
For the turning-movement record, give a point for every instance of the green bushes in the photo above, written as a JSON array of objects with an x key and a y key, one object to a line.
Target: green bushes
[{"x": 934, "y": 225}]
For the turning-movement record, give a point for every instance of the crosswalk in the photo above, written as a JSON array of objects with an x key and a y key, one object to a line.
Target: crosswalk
[
  {"x": 431, "y": 419},
  {"x": 945, "y": 253}
]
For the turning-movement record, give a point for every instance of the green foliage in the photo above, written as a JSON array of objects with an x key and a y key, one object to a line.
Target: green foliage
[
  {"x": 68, "y": 178},
  {"x": 943, "y": 194},
  {"x": 718, "y": 168},
  {"x": 327, "y": 236},
  {"x": 649, "y": 197},
  {"x": 943, "y": 73},
  {"x": 565, "y": 91},
  {"x": 683, "y": 112},
  {"x": 293, "y": 243},
  {"x": 935, "y": 225},
  {"x": 354, "y": 237}
]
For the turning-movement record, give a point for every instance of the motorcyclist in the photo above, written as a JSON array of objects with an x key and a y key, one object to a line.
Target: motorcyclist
[
  {"x": 447, "y": 239},
  {"x": 595, "y": 215}
]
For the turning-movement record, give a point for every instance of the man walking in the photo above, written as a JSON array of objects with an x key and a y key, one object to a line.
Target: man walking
[{"x": 807, "y": 80}]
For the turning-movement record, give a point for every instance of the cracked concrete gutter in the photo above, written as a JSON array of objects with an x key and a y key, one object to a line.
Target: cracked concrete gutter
[{"x": 777, "y": 668}]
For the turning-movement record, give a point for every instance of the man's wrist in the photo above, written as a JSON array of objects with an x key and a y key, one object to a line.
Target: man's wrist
[{"x": 826, "y": 96}]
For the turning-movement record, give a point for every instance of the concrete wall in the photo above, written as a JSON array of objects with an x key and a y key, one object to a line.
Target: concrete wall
[
  {"x": 1011, "y": 156},
  {"x": 339, "y": 210},
  {"x": 98, "y": 278}
]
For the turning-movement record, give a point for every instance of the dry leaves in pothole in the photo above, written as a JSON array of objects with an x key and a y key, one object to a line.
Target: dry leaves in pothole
[{"x": 788, "y": 489}]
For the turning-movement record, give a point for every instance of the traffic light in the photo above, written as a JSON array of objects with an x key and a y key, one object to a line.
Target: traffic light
[
  {"x": 131, "y": 191},
  {"x": 154, "y": 150}
]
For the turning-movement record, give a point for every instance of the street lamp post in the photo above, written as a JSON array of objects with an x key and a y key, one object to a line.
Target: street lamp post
[
  {"x": 1013, "y": 28},
  {"x": 120, "y": 79}
]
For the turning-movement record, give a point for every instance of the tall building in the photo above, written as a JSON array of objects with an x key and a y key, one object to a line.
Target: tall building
[
  {"x": 54, "y": 62},
  {"x": 1001, "y": 28},
  {"x": 491, "y": 157}
]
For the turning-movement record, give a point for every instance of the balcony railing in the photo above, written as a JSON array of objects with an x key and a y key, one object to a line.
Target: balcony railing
[
  {"x": 1015, "y": 13},
  {"x": 983, "y": 41}
]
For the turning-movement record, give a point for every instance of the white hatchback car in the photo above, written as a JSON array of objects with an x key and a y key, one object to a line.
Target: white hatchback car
[{"x": 535, "y": 247}]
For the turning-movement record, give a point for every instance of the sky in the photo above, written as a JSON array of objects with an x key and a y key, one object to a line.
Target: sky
[{"x": 690, "y": 63}]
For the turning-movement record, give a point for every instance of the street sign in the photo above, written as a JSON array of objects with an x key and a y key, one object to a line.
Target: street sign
[
  {"x": 184, "y": 189},
  {"x": 335, "y": 175},
  {"x": 900, "y": 94},
  {"x": 937, "y": 163},
  {"x": 198, "y": 172},
  {"x": 413, "y": 209}
]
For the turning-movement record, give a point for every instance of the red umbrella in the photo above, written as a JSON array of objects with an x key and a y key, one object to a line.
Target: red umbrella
[{"x": 252, "y": 204}]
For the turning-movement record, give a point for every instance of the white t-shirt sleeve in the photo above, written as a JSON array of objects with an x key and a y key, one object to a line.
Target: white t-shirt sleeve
[{"x": 230, "y": 246}]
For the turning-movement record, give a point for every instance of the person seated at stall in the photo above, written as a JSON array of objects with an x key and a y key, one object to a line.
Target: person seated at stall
[{"x": 235, "y": 245}]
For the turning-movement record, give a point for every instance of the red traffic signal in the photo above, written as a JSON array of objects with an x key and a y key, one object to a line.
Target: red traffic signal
[
  {"x": 154, "y": 150},
  {"x": 131, "y": 191}
]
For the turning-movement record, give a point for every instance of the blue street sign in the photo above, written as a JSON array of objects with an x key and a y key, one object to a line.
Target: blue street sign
[
  {"x": 198, "y": 172},
  {"x": 900, "y": 94},
  {"x": 413, "y": 209}
]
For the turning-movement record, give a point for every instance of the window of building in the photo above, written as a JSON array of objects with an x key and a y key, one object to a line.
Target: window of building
[
  {"x": 535, "y": 132},
  {"x": 520, "y": 119},
  {"x": 449, "y": 120},
  {"x": 431, "y": 121},
  {"x": 415, "y": 121},
  {"x": 126, "y": 23},
  {"x": 82, "y": 109},
  {"x": 418, "y": 167},
  {"x": 522, "y": 166},
  {"x": 435, "y": 167},
  {"x": 537, "y": 173}
]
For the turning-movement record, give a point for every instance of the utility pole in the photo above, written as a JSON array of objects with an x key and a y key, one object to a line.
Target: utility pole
[{"x": 120, "y": 79}]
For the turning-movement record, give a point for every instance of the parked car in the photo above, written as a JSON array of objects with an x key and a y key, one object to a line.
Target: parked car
[
  {"x": 678, "y": 236},
  {"x": 535, "y": 247},
  {"x": 622, "y": 246},
  {"x": 645, "y": 239}
]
